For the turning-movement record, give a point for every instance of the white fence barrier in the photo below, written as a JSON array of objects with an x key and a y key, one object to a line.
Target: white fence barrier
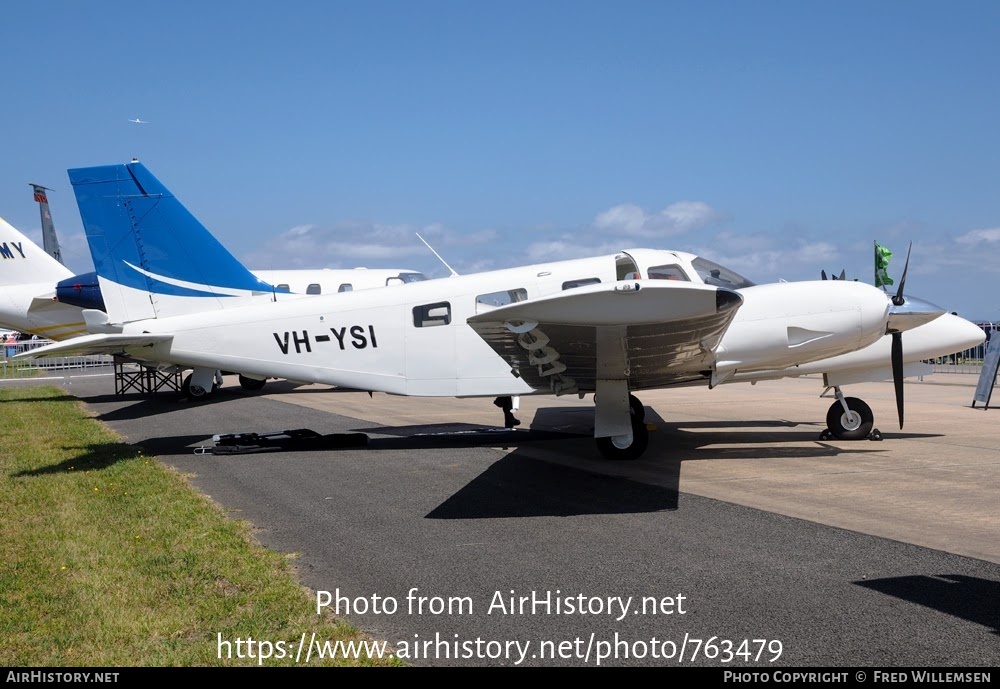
[{"x": 31, "y": 367}]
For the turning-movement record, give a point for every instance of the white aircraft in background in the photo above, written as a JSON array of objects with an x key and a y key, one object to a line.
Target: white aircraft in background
[
  {"x": 28, "y": 278},
  {"x": 138, "y": 121},
  {"x": 610, "y": 325}
]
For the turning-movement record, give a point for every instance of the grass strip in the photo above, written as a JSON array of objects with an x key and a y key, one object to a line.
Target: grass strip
[{"x": 108, "y": 558}]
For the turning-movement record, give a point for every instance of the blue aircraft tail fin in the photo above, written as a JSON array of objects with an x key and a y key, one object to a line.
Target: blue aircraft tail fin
[{"x": 153, "y": 258}]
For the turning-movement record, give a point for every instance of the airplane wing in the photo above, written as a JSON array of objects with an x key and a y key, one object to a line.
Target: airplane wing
[
  {"x": 652, "y": 333},
  {"x": 115, "y": 344}
]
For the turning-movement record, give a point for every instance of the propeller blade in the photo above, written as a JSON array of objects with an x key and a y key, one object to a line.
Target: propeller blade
[
  {"x": 823, "y": 274},
  {"x": 898, "y": 299},
  {"x": 897, "y": 373},
  {"x": 843, "y": 274}
]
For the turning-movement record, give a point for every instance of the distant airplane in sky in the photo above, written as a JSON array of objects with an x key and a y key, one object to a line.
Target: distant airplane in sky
[{"x": 138, "y": 121}]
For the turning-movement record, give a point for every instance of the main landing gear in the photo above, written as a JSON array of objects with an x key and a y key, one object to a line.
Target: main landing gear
[
  {"x": 609, "y": 422},
  {"x": 849, "y": 418},
  {"x": 251, "y": 384},
  {"x": 200, "y": 384}
]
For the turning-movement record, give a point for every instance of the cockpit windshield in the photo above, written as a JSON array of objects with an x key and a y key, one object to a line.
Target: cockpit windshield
[
  {"x": 714, "y": 274},
  {"x": 412, "y": 277}
]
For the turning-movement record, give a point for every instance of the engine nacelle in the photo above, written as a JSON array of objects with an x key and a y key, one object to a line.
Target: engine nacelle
[{"x": 81, "y": 290}]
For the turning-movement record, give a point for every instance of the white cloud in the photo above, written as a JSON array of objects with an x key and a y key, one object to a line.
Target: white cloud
[
  {"x": 802, "y": 261},
  {"x": 568, "y": 247},
  {"x": 975, "y": 236},
  {"x": 675, "y": 219},
  {"x": 350, "y": 243}
]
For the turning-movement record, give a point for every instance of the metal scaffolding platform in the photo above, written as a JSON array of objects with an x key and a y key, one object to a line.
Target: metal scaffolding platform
[{"x": 132, "y": 377}]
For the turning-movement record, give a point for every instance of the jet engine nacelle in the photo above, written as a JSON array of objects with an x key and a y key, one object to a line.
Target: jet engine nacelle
[{"x": 81, "y": 290}]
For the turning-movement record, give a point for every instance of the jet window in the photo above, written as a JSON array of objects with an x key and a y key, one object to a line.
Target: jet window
[
  {"x": 570, "y": 284},
  {"x": 314, "y": 289},
  {"x": 672, "y": 272},
  {"x": 430, "y": 315},
  {"x": 346, "y": 287},
  {"x": 284, "y": 288}
]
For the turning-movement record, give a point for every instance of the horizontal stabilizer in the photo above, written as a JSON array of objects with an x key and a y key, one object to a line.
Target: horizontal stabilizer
[{"x": 97, "y": 344}]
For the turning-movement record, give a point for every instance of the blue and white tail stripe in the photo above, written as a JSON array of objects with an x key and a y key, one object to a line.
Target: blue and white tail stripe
[{"x": 153, "y": 258}]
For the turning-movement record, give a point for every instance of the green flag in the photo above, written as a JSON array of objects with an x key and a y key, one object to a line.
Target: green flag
[{"x": 882, "y": 256}]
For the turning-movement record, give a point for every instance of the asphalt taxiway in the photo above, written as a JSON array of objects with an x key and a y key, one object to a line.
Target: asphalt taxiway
[{"x": 847, "y": 553}]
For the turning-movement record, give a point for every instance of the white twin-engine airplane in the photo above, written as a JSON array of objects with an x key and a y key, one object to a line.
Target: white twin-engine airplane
[{"x": 611, "y": 325}]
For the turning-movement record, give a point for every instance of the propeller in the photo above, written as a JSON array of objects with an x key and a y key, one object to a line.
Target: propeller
[
  {"x": 897, "y": 343},
  {"x": 843, "y": 275}
]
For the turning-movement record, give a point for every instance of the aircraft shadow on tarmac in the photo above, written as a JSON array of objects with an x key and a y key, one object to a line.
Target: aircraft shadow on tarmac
[
  {"x": 572, "y": 479},
  {"x": 519, "y": 486},
  {"x": 969, "y": 598},
  {"x": 516, "y": 486},
  {"x": 673, "y": 440}
]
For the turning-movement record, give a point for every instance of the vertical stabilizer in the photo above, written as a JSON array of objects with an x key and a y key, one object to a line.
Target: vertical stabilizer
[
  {"x": 153, "y": 258},
  {"x": 49, "y": 240}
]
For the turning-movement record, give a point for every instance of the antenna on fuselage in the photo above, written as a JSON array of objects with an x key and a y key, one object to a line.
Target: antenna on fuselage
[{"x": 453, "y": 273}]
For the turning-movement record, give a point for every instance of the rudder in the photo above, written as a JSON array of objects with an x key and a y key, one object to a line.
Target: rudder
[{"x": 153, "y": 258}]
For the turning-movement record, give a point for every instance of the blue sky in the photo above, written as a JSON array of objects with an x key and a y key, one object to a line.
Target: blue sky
[{"x": 779, "y": 138}]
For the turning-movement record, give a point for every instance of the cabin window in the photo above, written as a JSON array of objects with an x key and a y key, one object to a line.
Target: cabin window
[
  {"x": 570, "y": 284},
  {"x": 720, "y": 276},
  {"x": 486, "y": 302},
  {"x": 284, "y": 287},
  {"x": 346, "y": 287},
  {"x": 430, "y": 315},
  {"x": 625, "y": 267},
  {"x": 314, "y": 289},
  {"x": 671, "y": 272}
]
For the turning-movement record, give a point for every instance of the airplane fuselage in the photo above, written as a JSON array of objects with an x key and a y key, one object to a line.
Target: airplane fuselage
[{"x": 414, "y": 340}]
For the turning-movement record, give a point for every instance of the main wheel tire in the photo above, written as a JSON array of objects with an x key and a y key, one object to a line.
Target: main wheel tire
[
  {"x": 192, "y": 394},
  {"x": 640, "y": 440},
  {"x": 854, "y": 426},
  {"x": 638, "y": 410},
  {"x": 251, "y": 383}
]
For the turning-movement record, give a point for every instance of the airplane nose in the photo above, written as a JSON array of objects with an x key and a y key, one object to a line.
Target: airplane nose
[
  {"x": 966, "y": 334},
  {"x": 910, "y": 314}
]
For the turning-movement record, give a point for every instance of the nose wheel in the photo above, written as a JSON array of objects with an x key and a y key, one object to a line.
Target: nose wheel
[{"x": 853, "y": 423}]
